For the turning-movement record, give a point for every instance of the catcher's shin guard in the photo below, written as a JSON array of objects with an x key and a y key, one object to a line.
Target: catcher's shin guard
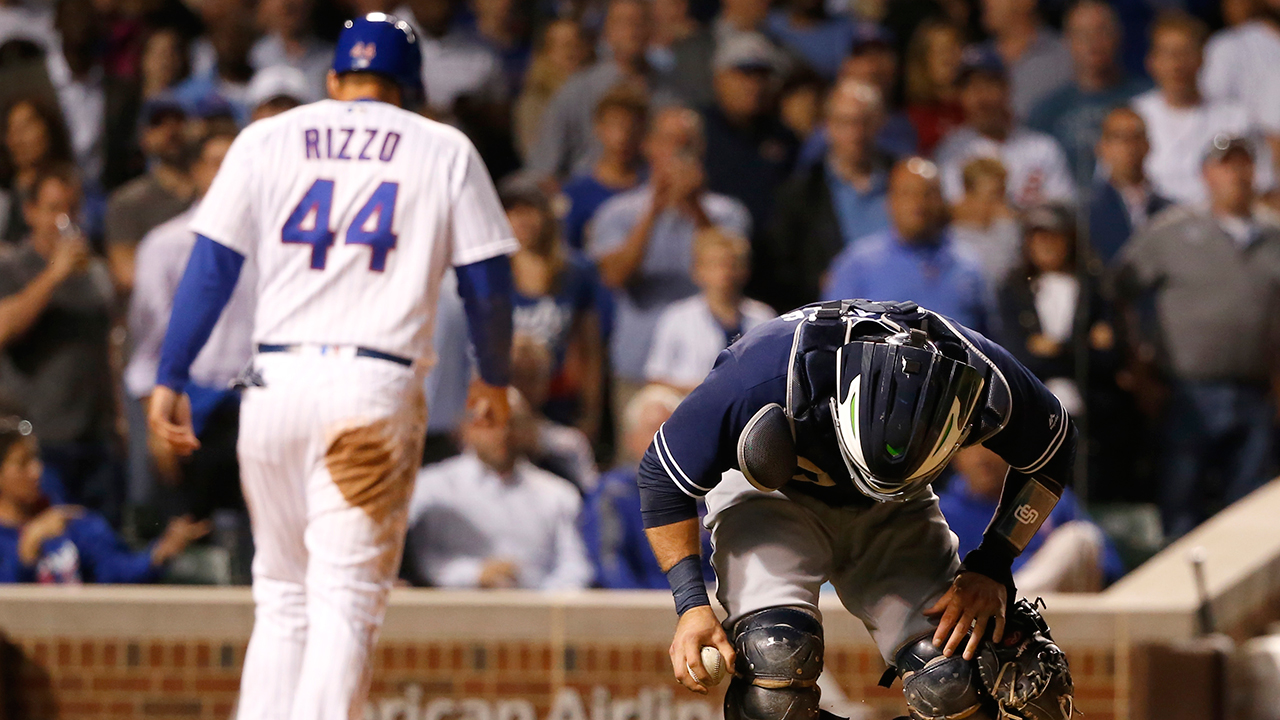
[
  {"x": 779, "y": 661},
  {"x": 1026, "y": 673}
]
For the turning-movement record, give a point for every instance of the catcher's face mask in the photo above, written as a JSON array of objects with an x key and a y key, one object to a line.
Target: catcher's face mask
[{"x": 902, "y": 410}]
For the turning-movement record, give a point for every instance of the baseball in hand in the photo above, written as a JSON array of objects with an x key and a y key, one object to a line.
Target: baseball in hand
[{"x": 713, "y": 665}]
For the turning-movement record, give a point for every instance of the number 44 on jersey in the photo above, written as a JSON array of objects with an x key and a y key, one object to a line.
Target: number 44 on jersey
[{"x": 309, "y": 224}]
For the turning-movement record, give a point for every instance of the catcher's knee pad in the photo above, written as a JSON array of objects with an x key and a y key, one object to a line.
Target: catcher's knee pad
[
  {"x": 938, "y": 687},
  {"x": 1026, "y": 672},
  {"x": 779, "y": 661}
]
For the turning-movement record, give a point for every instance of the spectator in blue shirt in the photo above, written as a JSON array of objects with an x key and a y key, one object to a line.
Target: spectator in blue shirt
[
  {"x": 916, "y": 259},
  {"x": 1073, "y": 114},
  {"x": 619, "y": 126},
  {"x": 47, "y": 543},
  {"x": 822, "y": 40},
  {"x": 826, "y": 206},
  {"x": 1069, "y": 554},
  {"x": 611, "y": 524},
  {"x": 1122, "y": 201},
  {"x": 557, "y": 302},
  {"x": 227, "y": 81},
  {"x": 873, "y": 59}
]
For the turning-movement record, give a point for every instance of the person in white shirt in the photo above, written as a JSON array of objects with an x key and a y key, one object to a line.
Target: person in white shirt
[
  {"x": 490, "y": 519},
  {"x": 1037, "y": 168},
  {"x": 691, "y": 333},
  {"x": 1242, "y": 66},
  {"x": 160, "y": 261},
  {"x": 1180, "y": 121},
  {"x": 79, "y": 79}
]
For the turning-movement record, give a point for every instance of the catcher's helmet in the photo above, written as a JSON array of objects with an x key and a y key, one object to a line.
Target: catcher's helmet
[
  {"x": 382, "y": 44},
  {"x": 902, "y": 408}
]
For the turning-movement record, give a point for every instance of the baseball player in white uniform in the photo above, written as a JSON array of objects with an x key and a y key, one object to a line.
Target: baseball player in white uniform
[{"x": 351, "y": 210}]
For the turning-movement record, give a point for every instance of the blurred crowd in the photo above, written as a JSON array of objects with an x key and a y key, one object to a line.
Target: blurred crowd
[{"x": 1092, "y": 184}]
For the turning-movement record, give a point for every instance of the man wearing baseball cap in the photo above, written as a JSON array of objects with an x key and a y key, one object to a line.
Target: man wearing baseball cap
[
  {"x": 1037, "y": 167},
  {"x": 165, "y": 190},
  {"x": 1215, "y": 275},
  {"x": 749, "y": 151}
]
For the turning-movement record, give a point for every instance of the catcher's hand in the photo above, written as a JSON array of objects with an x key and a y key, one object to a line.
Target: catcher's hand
[
  {"x": 972, "y": 602},
  {"x": 1027, "y": 674}
]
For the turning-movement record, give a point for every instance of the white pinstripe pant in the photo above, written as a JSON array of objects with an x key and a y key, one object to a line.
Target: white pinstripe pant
[{"x": 328, "y": 450}]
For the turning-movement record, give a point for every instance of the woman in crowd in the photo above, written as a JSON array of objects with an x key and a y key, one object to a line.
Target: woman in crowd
[
  {"x": 557, "y": 303},
  {"x": 933, "y": 64},
  {"x": 164, "y": 62},
  {"x": 1046, "y": 311},
  {"x": 1050, "y": 309},
  {"x": 33, "y": 137},
  {"x": 42, "y": 540},
  {"x": 561, "y": 51}
]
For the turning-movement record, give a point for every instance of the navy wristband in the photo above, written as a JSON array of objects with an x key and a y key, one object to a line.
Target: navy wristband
[{"x": 687, "y": 585}]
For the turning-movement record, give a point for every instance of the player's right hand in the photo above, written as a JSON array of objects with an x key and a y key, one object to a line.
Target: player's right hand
[
  {"x": 489, "y": 404},
  {"x": 698, "y": 628},
  {"x": 169, "y": 416}
]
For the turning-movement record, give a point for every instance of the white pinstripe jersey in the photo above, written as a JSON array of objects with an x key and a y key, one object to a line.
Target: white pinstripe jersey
[{"x": 353, "y": 211}]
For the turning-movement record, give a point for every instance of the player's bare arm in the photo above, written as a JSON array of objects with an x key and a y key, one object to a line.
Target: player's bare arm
[{"x": 698, "y": 626}]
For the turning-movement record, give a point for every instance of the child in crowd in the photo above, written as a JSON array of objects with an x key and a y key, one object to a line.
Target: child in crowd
[
  {"x": 42, "y": 540},
  {"x": 983, "y": 222},
  {"x": 692, "y": 332}
]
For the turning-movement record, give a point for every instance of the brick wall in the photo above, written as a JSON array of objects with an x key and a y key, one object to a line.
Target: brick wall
[{"x": 73, "y": 678}]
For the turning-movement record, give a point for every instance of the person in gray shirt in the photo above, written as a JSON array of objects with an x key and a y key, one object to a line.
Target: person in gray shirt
[
  {"x": 1214, "y": 276},
  {"x": 138, "y": 206},
  {"x": 567, "y": 144},
  {"x": 1038, "y": 60},
  {"x": 55, "y": 319},
  {"x": 642, "y": 240}
]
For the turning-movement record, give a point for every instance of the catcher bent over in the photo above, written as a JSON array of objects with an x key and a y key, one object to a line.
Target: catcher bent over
[{"x": 839, "y": 417}]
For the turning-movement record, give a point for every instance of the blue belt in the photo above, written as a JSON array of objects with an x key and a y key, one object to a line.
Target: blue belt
[{"x": 359, "y": 352}]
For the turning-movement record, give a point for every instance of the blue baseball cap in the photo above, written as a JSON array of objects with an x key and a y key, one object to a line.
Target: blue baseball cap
[
  {"x": 981, "y": 60},
  {"x": 382, "y": 44}
]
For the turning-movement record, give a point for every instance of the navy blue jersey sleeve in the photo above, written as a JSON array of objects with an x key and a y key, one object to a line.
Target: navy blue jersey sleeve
[
  {"x": 692, "y": 448},
  {"x": 698, "y": 443},
  {"x": 1037, "y": 436}
]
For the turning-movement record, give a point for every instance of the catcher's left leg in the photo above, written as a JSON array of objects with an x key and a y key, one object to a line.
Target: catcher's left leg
[{"x": 896, "y": 561}]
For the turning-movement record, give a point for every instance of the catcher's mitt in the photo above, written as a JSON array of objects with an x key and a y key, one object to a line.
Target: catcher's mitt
[{"x": 1026, "y": 673}]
